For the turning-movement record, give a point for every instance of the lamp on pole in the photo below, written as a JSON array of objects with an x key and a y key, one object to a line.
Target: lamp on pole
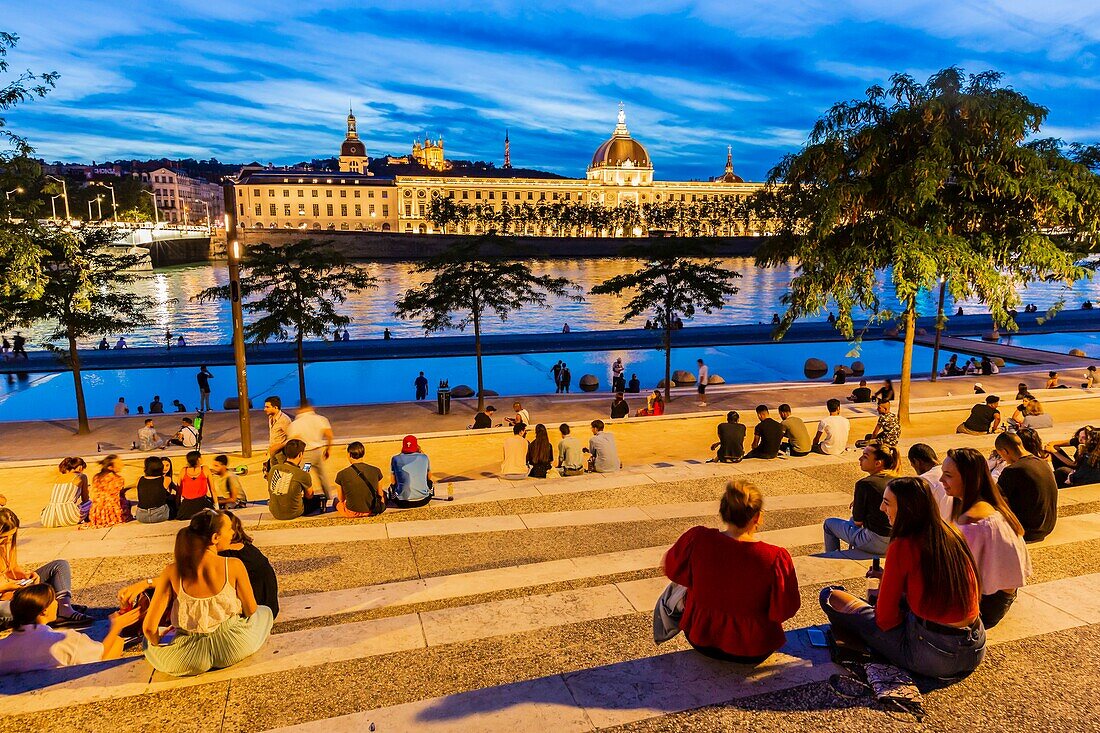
[
  {"x": 64, "y": 194},
  {"x": 114, "y": 206},
  {"x": 53, "y": 205},
  {"x": 939, "y": 330},
  {"x": 89, "y": 209},
  {"x": 233, "y": 249},
  {"x": 17, "y": 189},
  {"x": 156, "y": 211},
  {"x": 209, "y": 224}
]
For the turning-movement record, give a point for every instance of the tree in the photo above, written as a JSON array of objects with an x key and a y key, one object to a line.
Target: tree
[
  {"x": 675, "y": 280},
  {"x": 296, "y": 289},
  {"x": 85, "y": 294},
  {"x": 21, "y": 251},
  {"x": 467, "y": 285},
  {"x": 923, "y": 181}
]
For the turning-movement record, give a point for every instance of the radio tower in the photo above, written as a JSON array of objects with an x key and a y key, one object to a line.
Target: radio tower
[{"x": 507, "y": 151}]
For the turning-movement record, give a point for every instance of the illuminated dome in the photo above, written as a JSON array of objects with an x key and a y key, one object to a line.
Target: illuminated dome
[{"x": 621, "y": 150}]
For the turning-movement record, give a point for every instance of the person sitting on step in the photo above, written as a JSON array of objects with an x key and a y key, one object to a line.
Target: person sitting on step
[
  {"x": 740, "y": 590},
  {"x": 868, "y": 531},
  {"x": 213, "y": 608},
  {"x": 411, "y": 476},
  {"x": 926, "y": 619},
  {"x": 984, "y": 418},
  {"x": 731, "y": 440}
]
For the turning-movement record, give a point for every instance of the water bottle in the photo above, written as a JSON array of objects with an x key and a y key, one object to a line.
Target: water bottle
[
  {"x": 450, "y": 492},
  {"x": 873, "y": 582}
]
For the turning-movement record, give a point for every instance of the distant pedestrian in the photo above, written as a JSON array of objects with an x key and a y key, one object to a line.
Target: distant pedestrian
[
  {"x": 19, "y": 345},
  {"x": 566, "y": 378},
  {"x": 156, "y": 406},
  {"x": 775, "y": 318},
  {"x": 181, "y": 341},
  {"x": 556, "y": 369},
  {"x": 565, "y": 328},
  {"x": 121, "y": 409},
  {"x": 203, "y": 377},
  {"x": 316, "y": 432},
  {"x": 345, "y": 337},
  {"x": 421, "y": 384},
  {"x": 634, "y": 386},
  {"x": 5, "y": 348},
  {"x": 120, "y": 344},
  {"x": 168, "y": 339},
  {"x": 704, "y": 375},
  {"x": 831, "y": 318},
  {"x": 179, "y": 406},
  {"x": 386, "y": 335},
  {"x": 103, "y": 345}
]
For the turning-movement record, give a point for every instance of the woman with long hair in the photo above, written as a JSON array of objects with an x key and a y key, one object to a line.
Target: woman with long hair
[
  {"x": 57, "y": 574},
  {"x": 196, "y": 490},
  {"x": 265, "y": 586},
  {"x": 992, "y": 531},
  {"x": 214, "y": 611},
  {"x": 655, "y": 405},
  {"x": 108, "y": 495},
  {"x": 926, "y": 619},
  {"x": 156, "y": 502},
  {"x": 1086, "y": 463},
  {"x": 69, "y": 502},
  {"x": 540, "y": 454},
  {"x": 885, "y": 393}
]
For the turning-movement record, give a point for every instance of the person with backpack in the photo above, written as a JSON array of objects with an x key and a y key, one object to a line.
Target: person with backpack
[
  {"x": 359, "y": 486},
  {"x": 196, "y": 490}
]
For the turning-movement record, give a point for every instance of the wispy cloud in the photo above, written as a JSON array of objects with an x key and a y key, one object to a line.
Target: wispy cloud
[{"x": 270, "y": 80}]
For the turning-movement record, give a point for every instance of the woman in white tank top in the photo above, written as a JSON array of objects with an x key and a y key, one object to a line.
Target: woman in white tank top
[{"x": 213, "y": 608}]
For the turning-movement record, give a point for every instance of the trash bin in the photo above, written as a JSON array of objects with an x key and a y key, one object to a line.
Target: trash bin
[{"x": 443, "y": 398}]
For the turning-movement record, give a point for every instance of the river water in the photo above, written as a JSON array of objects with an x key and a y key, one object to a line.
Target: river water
[{"x": 371, "y": 311}]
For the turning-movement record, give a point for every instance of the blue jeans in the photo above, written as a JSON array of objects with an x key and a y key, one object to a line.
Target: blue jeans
[
  {"x": 858, "y": 538},
  {"x": 911, "y": 645},
  {"x": 58, "y": 575}
]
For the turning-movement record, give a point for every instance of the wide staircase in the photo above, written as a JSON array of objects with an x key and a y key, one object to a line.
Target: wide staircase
[{"x": 528, "y": 606}]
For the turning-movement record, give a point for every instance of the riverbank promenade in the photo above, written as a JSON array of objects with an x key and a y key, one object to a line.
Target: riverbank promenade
[{"x": 527, "y": 605}]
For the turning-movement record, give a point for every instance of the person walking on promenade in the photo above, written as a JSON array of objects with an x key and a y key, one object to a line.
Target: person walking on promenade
[
  {"x": 704, "y": 375},
  {"x": 566, "y": 378},
  {"x": 316, "y": 432},
  {"x": 557, "y": 369},
  {"x": 19, "y": 345},
  {"x": 278, "y": 429},
  {"x": 203, "y": 377},
  {"x": 421, "y": 384}
]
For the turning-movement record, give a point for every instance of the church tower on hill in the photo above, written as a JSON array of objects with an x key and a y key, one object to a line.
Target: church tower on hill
[{"x": 353, "y": 154}]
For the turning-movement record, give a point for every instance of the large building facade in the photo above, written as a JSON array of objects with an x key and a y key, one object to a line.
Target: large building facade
[
  {"x": 182, "y": 199},
  {"x": 620, "y": 173}
]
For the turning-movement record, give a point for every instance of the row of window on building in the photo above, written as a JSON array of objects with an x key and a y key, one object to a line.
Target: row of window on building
[{"x": 273, "y": 210}]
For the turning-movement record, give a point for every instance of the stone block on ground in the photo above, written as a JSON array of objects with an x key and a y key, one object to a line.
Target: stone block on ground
[
  {"x": 683, "y": 378},
  {"x": 716, "y": 379},
  {"x": 589, "y": 383},
  {"x": 1075, "y": 352},
  {"x": 462, "y": 390},
  {"x": 815, "y": 368},
  {"x": 858, "y": 368},
  {"x": 232, "y": 403}
]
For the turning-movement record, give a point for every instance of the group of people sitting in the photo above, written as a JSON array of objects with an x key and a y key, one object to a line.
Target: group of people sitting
[
  {"x": 534, "y": 459},
  {"x": 210, "y": 608},
  {"x": 985, "y": 417},
  {"x": 104, "y": 502}
]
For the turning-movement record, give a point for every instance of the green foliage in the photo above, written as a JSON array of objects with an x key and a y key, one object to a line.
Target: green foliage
[
  {"x": 927, "y": 180},
  {"x": 675, "y": 280},
  {"x": 466, "y": 285},
  {"x": 293, "y": 290}
]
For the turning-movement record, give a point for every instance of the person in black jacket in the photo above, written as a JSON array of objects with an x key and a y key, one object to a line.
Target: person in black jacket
[
  {"x": 619, "y": 407},
  {"x": 1028, "y": 486},
  {"x": 731, "y": 439},
  {"x": 265, "y": 585},
  {"x": 483, "y": 420}
]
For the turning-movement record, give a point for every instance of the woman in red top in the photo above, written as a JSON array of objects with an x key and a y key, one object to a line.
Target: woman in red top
[
  {"x": 739, "y": 590},
  {"x": 926, "y": 619}
]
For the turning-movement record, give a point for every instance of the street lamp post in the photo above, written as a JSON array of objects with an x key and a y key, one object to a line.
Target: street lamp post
[
  {"x": 156, "y": 211},
  {"x": 209, "y": 224},
  {"x": 53, "y": 205},
  {"x": 64, "y": 195},
  {"x": 939, "y": 331},
  {"x": 233, "y": 248},
  {"x": 114, "y": 206},
  {"x": 89, "y": 209},
  {"x": 17, "y": 189}
]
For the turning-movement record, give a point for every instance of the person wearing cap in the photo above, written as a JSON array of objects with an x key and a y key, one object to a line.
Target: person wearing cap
[
  {"x": 984, "y": 418},
  {"x": 411, "y": 476},
  {"x": 483, "y": 420},
  {"x": 978, "y": 388}
]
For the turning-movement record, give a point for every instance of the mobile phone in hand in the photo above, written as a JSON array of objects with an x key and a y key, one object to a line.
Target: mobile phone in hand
[
  {"x": 306, "y": 467},
  {"x": 817, "y": 637},
  {"x": 26, "y": 581}
]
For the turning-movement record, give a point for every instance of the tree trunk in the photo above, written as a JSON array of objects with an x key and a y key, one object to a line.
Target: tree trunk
[
  {"x": 82, "y": 426},
  {"x": 301, "y": 372},
  {"x": 477, "y": 354},
  {"x": 668, "y": 359},
  {"x": 907, "y": 364}
]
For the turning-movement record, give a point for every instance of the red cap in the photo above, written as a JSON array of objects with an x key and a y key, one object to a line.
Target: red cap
[{"x": 409, "y": 444}]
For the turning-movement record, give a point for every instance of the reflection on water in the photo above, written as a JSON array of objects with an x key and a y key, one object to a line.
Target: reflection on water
[{"x": 760, "y": 292}]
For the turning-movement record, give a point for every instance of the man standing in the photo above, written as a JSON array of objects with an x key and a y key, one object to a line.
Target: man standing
[
  {"x": 203, "y": 377},
  {"x": 618, "y": 382},
  {"x": 983, "y": 419},
  {"x": 19, "y": 345},
  {"x": 604, "y": 452},
  {"x": 794, "y": 430},
  {"x": 731, "y": 439},
  {"x": 278, "y": 429},
  {"x": 704, "y": 375},
  {"x": 556, "y": 369},
  {"x": 924, "y": 461},
  {"x": 570, "y": 453},
  {"x": 1029, "y": 487},
  {"x": 566, "y": 378},
  {"x": 316, "y": 432},
  {"x": 767, "y": 436},
  {"x": 832, "y": 431},
  {"x": 421, "y": 384},
  {"x": 289, "y": 488}
]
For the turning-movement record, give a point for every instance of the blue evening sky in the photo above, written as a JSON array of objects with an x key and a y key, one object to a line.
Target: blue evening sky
[{"x": 271, "y": 80}]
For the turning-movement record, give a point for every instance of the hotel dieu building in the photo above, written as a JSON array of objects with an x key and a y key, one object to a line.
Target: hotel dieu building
[{"x": 354, "y": 199}]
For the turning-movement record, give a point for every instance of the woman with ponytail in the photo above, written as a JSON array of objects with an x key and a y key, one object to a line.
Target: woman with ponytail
[
  {"x": 213, "y": 609},
  {"x": 926, "y": 619}
]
